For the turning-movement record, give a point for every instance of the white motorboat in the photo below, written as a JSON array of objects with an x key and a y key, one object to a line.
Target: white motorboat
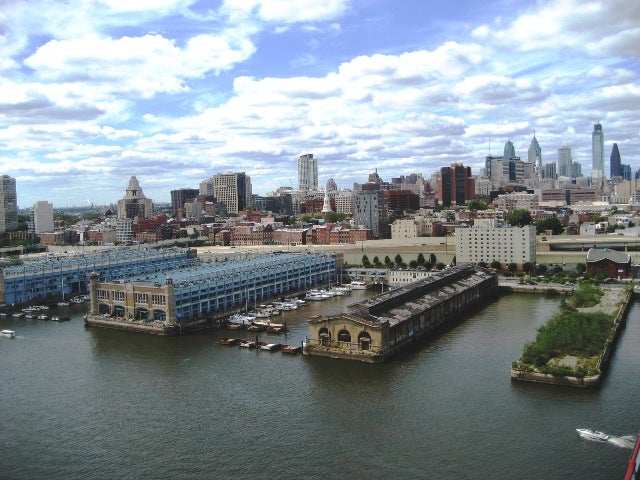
[
  {"x": 8, "y": 334},
  {"x": 591, "y": 434},
  {"x": 358, "y": 285}
]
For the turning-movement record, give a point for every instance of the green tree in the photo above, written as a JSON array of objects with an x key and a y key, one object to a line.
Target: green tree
[
  {"x": 398, "y": 260},
  {"x": 513, "y": 267},
  {"x": 365, "y": 261},
  {"x": 440, "y": 266},
  {"x": 388, "y": 262},
  {"x": 413, "y": 264},
  {"x": 527, "y": 267},
  {"x": 420, "y": 259},
  {"x": 552, "y": 223},
  {"x": 496, "y": 265},
  {"x": 376, "y": 262},
  {"x": 520, "y": 217},
  {"x": 476, "y": 204},
  {"x": 432, "y": 259},
  {"x": 581, "y": 268},
  {"x": 483, "y": 264}
]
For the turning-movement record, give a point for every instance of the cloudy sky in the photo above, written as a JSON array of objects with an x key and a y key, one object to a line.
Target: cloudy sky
[{"x": 175, "y": 91}]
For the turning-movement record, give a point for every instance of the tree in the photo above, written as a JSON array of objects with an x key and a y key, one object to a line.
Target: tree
[
  {"x": 365, "y": 261},
  {"x": 432, "y": 258},
  {"x": 483, "y": 264},
  {"x": 398, "y": 260},
  {"x": 496, "y": 265},
  {"x": 420, "y": 260},
  {"x": 552, "y": 223},
  {"x": 513, "y": 267},
  {"x": 527, "y": 267},
  {"x": 581, "y": 268},
  {"x": 376, "y": 262},
  {"x": 413, "y": 264},
  {"x": 388, "y": 262},
  {"x": 440, "y": 266},
  {"x": 520, "y": 217},
  {"x": 476, "y": 204}
]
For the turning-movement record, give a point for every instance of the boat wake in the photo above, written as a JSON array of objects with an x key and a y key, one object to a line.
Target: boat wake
[{"x": 625, "y": 441}]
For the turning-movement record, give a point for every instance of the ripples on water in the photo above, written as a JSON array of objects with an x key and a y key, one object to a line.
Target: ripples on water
[{"x": 92, "y": 403}]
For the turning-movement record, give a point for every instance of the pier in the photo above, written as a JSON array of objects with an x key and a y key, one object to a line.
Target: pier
[{"x": 379, "y": 327}]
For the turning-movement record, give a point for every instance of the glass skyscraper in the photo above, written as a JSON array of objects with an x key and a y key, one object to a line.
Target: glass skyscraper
[{"x": 307, "y": 172}]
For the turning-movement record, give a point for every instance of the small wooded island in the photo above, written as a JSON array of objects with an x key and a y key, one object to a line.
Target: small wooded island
[{"x": 574, "y": 346}]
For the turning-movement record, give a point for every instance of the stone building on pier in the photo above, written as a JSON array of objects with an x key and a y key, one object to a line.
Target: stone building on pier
[{"x": 380, "y": 326}]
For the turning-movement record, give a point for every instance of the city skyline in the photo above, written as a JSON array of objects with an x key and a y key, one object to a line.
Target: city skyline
[{"x": 176, "y": 91}]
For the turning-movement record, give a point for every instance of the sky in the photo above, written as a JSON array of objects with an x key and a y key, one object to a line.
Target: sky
[{"x": 175, "y": 91}]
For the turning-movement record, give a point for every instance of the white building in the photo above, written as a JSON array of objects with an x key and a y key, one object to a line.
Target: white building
[
  {"x": 517, "y": 200},
  {"x": 307, "y": 172},
  {"x": 344, "y": 201},
  {"x": 232, "y": 189},
  {"x": 42, "y": 217},
  {"x": 488, "y": 240}
]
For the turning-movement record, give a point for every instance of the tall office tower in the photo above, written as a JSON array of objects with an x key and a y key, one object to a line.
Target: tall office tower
[
  {"x": 456, "y": 186},
  {"x": 134, "y": 204},
  {"x": 535, "y": 155},
  {"x": 8, "y": 204},
  {"x": 232, "y": 189},
  {"x": 615, "y": 164},
  {"x": 180, "y": 197},
  {"x": 307, "y": 172},
  {"x": 597, "y": 150},
  {"x": 564, "y": 161},
  {"x": 576, "y": 169},
  {"x": 509, "y": 150},
  {"x": 42, "y": 217},
  {"x": 549, "y": 171}
]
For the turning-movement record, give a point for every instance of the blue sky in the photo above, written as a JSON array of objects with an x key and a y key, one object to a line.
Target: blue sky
[{"x": 175, "y": 91}]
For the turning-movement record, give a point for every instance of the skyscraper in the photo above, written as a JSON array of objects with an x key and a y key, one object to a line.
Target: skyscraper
[
  {"x": 564, "y": 161},
  {"x": 8, "y": 204},
  {"x": 535, "y": 155},
  {"x": 307, "y": 172},
  {"x": 456, "y": 186},
  {"x": 509, "y": 150},
  {"x": 232, "y": 189},
  {"x": 615, "y": 164},
  {"x": 597, "y": 150}
]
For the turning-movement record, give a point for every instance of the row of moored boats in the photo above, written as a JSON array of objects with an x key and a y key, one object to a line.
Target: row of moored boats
[{"x": 270, "y": 347}]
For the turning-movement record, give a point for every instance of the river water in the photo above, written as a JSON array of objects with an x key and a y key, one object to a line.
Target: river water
[{"x": 81, "y": 403}]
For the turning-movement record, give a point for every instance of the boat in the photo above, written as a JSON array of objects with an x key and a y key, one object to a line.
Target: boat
[
  {"x": 291, "y": 349},
  {"x": 358, "y": 285},
  {"x": 8, "y": 334},
  {"x": 229, "y": 341},
  {"x": 58, "y": 318},
  {"x": 591, "y": 434},
  {"x": 42, "y": 316},
  {"x": 271, "y": 347},
  {"x": 247, "y": 344},
  {"x": 63, "y": 304}
]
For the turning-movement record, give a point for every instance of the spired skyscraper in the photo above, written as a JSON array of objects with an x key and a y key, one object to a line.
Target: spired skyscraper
[
  {"x": 307, "y": 172},
  {"x": 534, "y": 155},
  {"x": 597, "y": 149},
  {"x": 615, "y": 164}
]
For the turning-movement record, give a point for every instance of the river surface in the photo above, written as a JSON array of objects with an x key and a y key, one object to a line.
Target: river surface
[{"x": 85, "y": 403}]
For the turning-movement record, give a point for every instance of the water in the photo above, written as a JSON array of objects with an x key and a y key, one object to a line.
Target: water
[{"x": 80, "y": 403}]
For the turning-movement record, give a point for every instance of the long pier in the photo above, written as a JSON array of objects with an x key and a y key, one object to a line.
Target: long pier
[{"x": 377, "y": 328}]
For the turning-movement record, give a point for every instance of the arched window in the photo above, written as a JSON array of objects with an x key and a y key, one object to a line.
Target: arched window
[
  {"x": 103, "y": 309},
  {"x": 344, "y": 336},
  {"x": 325, "y": 336},
  {"x": 118, "y": 311},
  {"x": 364, "y": 340}
]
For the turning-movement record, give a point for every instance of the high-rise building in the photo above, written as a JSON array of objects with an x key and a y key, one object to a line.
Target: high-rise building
[
  {"x": 597, "y": 150},
  {"x": 615, "y": 164},
  {"x": 134, "y": 204},
  {"x": 8, "y": 204},
  {"x": 564, "y": 161},
  {"x": 180, "y": 197},
  {"x": 549, "y": 171},
  {"x": 232, "y": 189},
  {"x": 42, "y": 217},
  {"x": 456, "y": 186},
  {"x": 509, "y": 150},
  {"x": 307, "y": 172},
  {"x": 369, "y": 211},
  {"x": 535, "y": 155}
]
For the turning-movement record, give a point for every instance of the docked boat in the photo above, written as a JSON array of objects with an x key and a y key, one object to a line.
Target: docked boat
[
  {"x": 591, "y": 434},
  {"x": 229, "y": 341},
  {"x": 8, "y": 334},
  {"x": 291, "y": 349},
  {"x": 247, "y": 344},
  {"x": 358, "y": 285},
  {"x": 271, "y": 347},
  {"x": 42, "y": 316}
]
